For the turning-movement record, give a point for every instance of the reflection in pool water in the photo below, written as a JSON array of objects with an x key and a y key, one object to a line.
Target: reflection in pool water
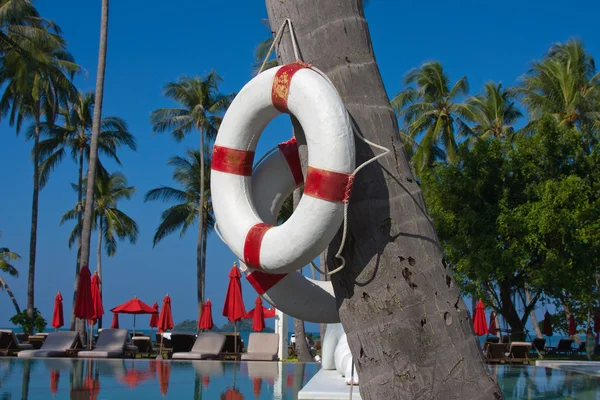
[{"x": 151, "y": 379}]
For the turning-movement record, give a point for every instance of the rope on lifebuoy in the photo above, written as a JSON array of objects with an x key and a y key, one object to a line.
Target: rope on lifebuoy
[{"x": 355, "y": 130}]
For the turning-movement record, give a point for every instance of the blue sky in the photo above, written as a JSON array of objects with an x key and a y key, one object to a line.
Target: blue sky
[{"x": 151, "y": 43}]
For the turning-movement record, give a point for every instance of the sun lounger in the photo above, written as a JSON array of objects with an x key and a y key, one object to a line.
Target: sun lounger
[
  {"x": 564, "y": 346},
  {"x": 230, "y": 343},
  {"x": 143, "y": 344},
  {"x": 182, "y": 341},
  {"x": 539, "y": 344},
  {"x": 496, "y": 353},
  {"x": 111, "y": 344},
  {"x": 207, "y": 345},
  {"x": 9, "y": 344},
  {"x": 55, "y": 345},
  {"x": 262, "y": 347},
  {"x": 518, "y": 352}
]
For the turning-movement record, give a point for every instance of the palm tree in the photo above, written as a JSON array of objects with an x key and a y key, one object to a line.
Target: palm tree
[
  {"x": 86, "y": 226},
  {"x": 493, "y": 112},
  {"x": 185, "y": 212},
  {"x": 430, "y": 111},
  {"x": 111, "y": 223},
  {"x": 564, "y": 84},
  {"x": 202, "y": 107},
  {"x": 6, "y": 256},
  {"x": 34, "y": 88},
  {"x": 73, "y": 137}
]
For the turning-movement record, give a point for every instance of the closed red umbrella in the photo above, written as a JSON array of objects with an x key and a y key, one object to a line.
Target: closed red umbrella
[
  {"x": 206, "y": 320},
  {"x": 269, "y": 312},
  {"x": 57, "y": 316},
  {"x": 96, "y": 302},
  {"x": 258, "y": 319},
  {"x": 572, "y": 326},
  {"x": 115, "y": 321},
  {"x": 547, "y": 331},
  {"x": 165, "y": 321},
  {"x": 154, "y": 317},
  {"x": 84, "y": 308},
  {"x": 479, "y": 324},
  {"x": 234, "y": 308},
  {"x": 493, "y": 328}
]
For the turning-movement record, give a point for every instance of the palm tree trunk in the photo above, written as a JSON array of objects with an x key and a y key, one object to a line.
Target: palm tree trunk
[
  {"x": 395, "y": 292},
  {"x": 86, "y": 231},
  {"x": 201, "y": 267},
  {"x": 99, "y": 257},
  {"x": 10, "y": 294},
  {"x": 34, "y": 222},
  {"x": 203, "y": 272},
  {"x": 79, "y": 223},
  {"x": 534, "y": 321}
]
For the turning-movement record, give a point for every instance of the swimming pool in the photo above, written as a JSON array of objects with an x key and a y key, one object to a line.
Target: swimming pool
[{"x": 150, "y": 379}]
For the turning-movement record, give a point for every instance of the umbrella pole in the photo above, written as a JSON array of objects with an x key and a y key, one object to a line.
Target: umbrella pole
[
  {"x": 133, "y": 324},
  {"x": 235, "y": 336}
]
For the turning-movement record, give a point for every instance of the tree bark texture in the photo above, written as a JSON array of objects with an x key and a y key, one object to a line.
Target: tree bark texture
[
  {"x": 409, "y": 330},
  {"x": 34, "y": 223},
  {"x": 10, "y": 294},
  {"x": 79, "y": 223},
  {"x": 99, "y": 257},
  {"x": 534, "y": 321},
  {"x": 86, "y": 230},
  {"x": 200, "y": 267}
]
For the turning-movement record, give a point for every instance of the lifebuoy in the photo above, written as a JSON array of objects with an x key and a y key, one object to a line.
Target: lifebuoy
[
  {"x": 293, "y": 293},
  {"x": 302, "y": 92}
]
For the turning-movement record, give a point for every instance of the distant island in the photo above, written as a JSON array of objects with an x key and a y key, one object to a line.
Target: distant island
[{"x": 244, "y": 326}]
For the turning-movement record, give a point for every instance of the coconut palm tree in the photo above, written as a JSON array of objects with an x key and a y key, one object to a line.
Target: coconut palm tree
[
  {"x": 493, "y": 113},
  {"x": 34, "y": 88},
  {"x": 430, "y": 112},
  {"x": 73, "y": 137},
  {"x": 6, "y": 257},
  {"x": 201, "y": 109},
  {"x": 564, "y": 84},
  {"x": 184, "y": 213},
  {"x": 110, "y": 222}
]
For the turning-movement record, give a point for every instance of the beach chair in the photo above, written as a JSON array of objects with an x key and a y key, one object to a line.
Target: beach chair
[
  {"x": 262, "y": 347},
  {"x": 9, "y": 344},
  {"x": 55, "y": 345},
  {"x": 539, "y": 345},
  {"x": 182, "y": 342},
  {"x": 111, "y": 344},
  {"x": 143, "y": 344},
  {"x": 207, "y": 345},
  {"x": 581, "y": 348},
  {"x": 496, "y": 353},
  {"x": 564, "y": 346},
  {"x": 518, "y": 352},
  {"x": 230, "y": 343}
]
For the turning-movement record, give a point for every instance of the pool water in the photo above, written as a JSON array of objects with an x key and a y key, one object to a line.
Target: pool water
[{"x": 151, "y": 379}]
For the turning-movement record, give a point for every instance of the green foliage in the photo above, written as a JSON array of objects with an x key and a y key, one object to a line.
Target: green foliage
[
  {"x": 25, "y": 322},
  {"x": 6, "y": 257}
]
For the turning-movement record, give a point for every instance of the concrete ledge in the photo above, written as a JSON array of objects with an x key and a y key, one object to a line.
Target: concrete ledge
[
  {"x": 327, "y": 385},
  {"x": 591, "y": 368}
]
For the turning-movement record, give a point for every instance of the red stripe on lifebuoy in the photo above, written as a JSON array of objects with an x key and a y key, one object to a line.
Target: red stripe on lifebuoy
[
  {"x": 252, "y": 244},
  {"x": 289, "y": 150},
  {"x": 261, "y": 282},
  {"x": 281, "y": 85},
  {"x": 327, "y": 185},
  {"x": 232, "y": 161}
]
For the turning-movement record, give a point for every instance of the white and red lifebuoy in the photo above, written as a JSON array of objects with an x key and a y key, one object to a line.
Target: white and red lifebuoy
[
  {"x": 273, "y": 181},
  {"x": 302, "y": 92}
]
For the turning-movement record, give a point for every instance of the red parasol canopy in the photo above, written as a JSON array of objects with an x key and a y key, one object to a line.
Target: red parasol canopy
[
  {"x": 206, "y": 321},
  {"x": 164, "y": 374},
  {"x": 493, "y": 329},
  {"x": 258, "y": 319},
  {"x": 54, "y": 378},
  {"x": 134, "y": 377},
  {"x": 115, "y": 321},
  {"x": 234, "y": 308},
  {"x": 479, "y": 323},
  {"x": 256, "y": 384},
  {"x": 547, "y": 331},
  {"x": 134, "y": 306},
  {"x": 165, "y": 321},
  {"x": 96, "y": 297},
  {"x": 57, "y": 317},
  {"x": 84, "y": 308},
  {"x": 154, "y": 317},
  {"x": 572, "y": 326}
]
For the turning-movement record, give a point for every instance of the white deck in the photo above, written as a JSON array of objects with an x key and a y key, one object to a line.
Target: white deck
[
  {"x": 328, "y": 385},
  {"x": 583, "y": 367}
]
